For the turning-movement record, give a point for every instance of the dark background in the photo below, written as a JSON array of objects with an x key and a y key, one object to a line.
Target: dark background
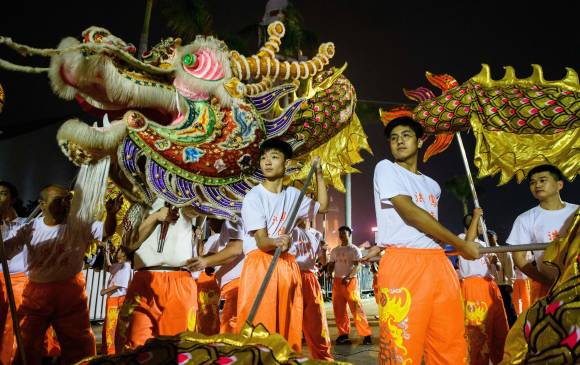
[{"x": 388, "y": 46}]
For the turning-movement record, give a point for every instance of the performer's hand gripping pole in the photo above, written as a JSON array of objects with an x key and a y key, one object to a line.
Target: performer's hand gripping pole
[
  {"x": 472, "y": 186},
  {"x": 278, "y": 252},
  {"x": 10, "y": 292}
]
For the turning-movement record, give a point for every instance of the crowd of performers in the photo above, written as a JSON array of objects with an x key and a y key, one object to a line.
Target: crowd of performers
[{"x": 427, "y": 308}]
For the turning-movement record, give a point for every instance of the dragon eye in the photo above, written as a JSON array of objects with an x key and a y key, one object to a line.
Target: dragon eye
[{"x": 189, "y": 59}]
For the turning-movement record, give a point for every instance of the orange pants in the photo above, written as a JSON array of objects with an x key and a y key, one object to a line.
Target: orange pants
[
  {"x": 537, "y": 291},
  {"x": 8, "y": 342},
  {"x": 229, "y": 294},
  {"x": 420, "y": 308},
  {"x": 280, "y": 310},
  {"x": 348, "y": 294},
  {"x": 208, "y": 301},
  {"x": 521, "y": 295},
  {"x": 485, "y": 320},
  {"x": 376, "y": 287},
  {"x": 157, "y": 303},
  {"x": 113, "y": 307},
  {"x": 314, "y": 321},
  {"x": 51, "y": 345},
  {"x": 64, "y": 305}
]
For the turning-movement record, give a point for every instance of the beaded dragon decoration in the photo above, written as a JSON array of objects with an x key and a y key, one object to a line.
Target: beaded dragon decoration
[
  {"x": 185, "y": 123},
  {"x": 518, "y": 123}
]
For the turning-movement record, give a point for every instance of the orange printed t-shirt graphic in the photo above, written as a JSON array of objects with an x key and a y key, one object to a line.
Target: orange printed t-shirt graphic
[
  {"x": 229, "y": 294},
  {"x": 112, "y": 310},
  {"x": 485, "y": 320},
  {"x": 62, "y": 304},
  {"x": 280, "y": 310},
  {"x": 157, "y": 304},
  {"x": 315, "y": 325},
  {"x": 343, "y": 295},
  {"x": 420, "y": 309},
  {"x": 208, "y": 300}
]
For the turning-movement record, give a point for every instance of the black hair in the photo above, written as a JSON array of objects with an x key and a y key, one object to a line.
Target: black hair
[
  {"x": 345, "y": 228},
  {"x": 553, "y": 170},
  {"x": 407, "y": 121},
  {"x": 278, "y": 145},
  {"x": 14, "y": 195}
]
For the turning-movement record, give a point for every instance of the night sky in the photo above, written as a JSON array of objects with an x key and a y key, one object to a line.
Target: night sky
[{"x": 388, "y": 46}]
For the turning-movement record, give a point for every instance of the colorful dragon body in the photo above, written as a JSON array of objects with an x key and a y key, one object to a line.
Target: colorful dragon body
[
  {"x": 518, "y": 123},
  {"x": 188, "y": 120}
]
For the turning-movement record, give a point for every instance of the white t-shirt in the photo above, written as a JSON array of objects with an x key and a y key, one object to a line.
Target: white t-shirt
[
  {"x": 262, "y": 208},
  {"x": 391, "y": 180},
  {"x": 49, "y": 254},
  {"x": 344, "y": 258},
  {"x": 121, "y": 274},
  {"x": 470, "y": 268},
  {"x": 17, "y": 264},
  {"x": 305, "y": 247},
  {"x": 539, "y": 225},
  {"x": 178, "y": 246}
]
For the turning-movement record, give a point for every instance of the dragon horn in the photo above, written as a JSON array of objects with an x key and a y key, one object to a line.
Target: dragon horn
[
  {"x": 265, "y": 64},
  {"x": 442, "y": 82}
]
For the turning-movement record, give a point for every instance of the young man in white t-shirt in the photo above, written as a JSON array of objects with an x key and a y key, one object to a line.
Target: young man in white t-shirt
[
  {"x": 55, "y": 245},
  {"x": 543, "y": 223},
  {"x": 121, "y": 274},
  {"x": 162, "y": 297},
  {"x": 9, "y": 225},
  {"x": 420, "y": 311},
  {"x": 485, "y": 316},
  {"x": 306, "y": 248},
  {"x": 344, "y": 262},
  {"x": 227, "y": 259},
  {"x": 265, "y": 211}
]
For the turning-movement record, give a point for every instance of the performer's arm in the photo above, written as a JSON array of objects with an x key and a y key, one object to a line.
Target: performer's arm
[
  {"x": 530, "y": 269},
  {"x": 165, "y": 214},
  {"x": 112, "y": 206},
  {"x": 322, "y": 253},
  {"x": 14, "y": 245},
  {"x": 424, "y": 222},
  {"x": 233, "y": 249},
  {"x": 266, "y": 243},
  {"x": 472, "y": 231},
  {"x": 110, "y": 289},
  {"x": 351, "y": 274},
  {"x": 321, "y": 191}
]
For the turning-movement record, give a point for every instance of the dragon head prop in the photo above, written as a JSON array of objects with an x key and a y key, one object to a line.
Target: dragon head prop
[
  {"x": 185, "y": 122},
  {"x": 518, "y": 123}
]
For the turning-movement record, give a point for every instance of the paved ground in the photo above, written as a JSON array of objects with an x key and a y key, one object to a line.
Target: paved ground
[{"x": 355, "y": 353}]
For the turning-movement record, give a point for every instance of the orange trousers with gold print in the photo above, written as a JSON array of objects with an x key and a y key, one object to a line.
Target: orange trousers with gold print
[
  {"x": 420, "y": 308},
  {"x": 158, "y": 303},
  {"x": 208, "y": 301},
  {"x": 112, "y": 310},
  {"x": 485, "y": 320}
]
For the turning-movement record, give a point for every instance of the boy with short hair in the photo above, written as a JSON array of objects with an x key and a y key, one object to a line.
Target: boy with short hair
[
  {"x": 543, "y": 223},
  {"x": 265, "y": 211}
]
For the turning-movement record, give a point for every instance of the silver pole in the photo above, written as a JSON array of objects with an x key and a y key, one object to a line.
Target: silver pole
[
  {"x": 472, "y": 186},
  {"x": 348, "y": 201}
]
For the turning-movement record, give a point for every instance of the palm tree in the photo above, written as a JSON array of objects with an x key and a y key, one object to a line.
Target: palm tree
[{"x": 459, "y": 187}]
